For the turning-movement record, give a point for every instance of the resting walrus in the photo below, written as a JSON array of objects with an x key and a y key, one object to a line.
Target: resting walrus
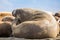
[
  {"x": 5, "y": 29},
  {"x": 34, "y": 24}
]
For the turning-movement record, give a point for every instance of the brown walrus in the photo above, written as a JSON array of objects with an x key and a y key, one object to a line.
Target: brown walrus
[
  {"x": 5, "y": 29},
  {"x": 34, "y": 24},
  {"x": 8, "y": 19},
  {"x": 3, "y": 14}
]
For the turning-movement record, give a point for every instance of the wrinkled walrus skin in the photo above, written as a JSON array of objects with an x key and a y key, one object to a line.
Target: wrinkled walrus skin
[{"x": 34, "y": 24}]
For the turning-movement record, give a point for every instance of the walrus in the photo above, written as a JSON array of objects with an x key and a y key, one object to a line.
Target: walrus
[
  {"x": 8, "y": 19},
  {"x": 57, "y": 17},
  {"x": 34, "y": 24},
  {"x": 3, "y": 14},
  {"x": 5, "y": 29}
]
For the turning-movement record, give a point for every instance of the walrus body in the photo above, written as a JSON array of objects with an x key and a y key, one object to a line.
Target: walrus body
[
  {"x": 5, "y": 29},
  {"x": 34, "y": 24}
]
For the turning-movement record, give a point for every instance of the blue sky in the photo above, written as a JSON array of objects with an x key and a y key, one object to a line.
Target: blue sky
[{"x": 48, "y": 5}]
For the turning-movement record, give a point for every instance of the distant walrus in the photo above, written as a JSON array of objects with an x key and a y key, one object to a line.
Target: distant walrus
[{"x": 8, "y": 19}]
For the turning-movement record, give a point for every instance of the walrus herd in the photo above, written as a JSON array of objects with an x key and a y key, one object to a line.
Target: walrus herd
[{"x": 31, "y": 24}]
